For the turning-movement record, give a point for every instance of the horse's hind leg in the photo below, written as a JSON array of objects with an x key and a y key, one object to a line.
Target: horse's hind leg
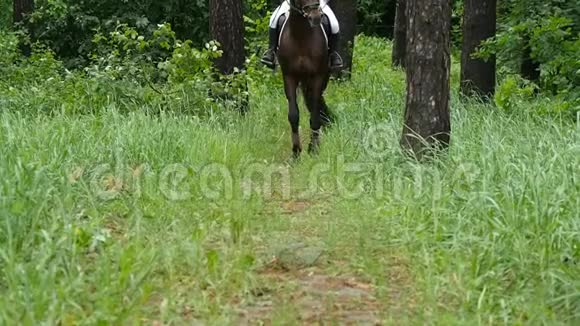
[
  {"x": 290, "y": 86},
  {"x": 325, "y": 114},
  {"x": 313, "y": 100}
]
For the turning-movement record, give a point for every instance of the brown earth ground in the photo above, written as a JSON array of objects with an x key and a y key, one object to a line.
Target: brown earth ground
[{"x": 326, "y": 293}]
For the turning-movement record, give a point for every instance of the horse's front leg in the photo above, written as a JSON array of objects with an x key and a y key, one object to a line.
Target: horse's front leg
[
  {"x": 314, "y": 100},
  {"x": 290, "y": 86}
]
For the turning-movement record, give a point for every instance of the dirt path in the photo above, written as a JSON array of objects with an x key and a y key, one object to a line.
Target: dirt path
[{"x": 326, "y": 291}]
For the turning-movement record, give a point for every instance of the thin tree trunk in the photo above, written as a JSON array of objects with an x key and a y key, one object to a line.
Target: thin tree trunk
[
  {"x": 427, "y": 115},
  {"x": 479, "y": 24},
  {"x": 388, "y": 19},
  {"x": 21, "y": 9},
  {"x": 346, "y": 12},
  {"x": 400, "y": 35},
  {"x": 530, "y": 68},
  {"x": 227, "y": 27}
]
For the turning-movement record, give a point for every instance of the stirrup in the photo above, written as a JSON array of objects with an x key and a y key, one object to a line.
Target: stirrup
[
  {"x": 339, "y": 66},
  {"x": 340, "y": 60},
  {"x": 268, "y": 62}
]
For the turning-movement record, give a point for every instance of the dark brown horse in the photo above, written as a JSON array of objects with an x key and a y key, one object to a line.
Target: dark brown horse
[{"x": 304, "y": 58}]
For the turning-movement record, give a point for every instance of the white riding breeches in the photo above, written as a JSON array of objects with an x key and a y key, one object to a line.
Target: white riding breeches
[{"x": 285, "y": 8}]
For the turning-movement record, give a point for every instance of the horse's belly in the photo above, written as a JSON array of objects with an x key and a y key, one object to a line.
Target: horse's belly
[
  {"x": 306, "y": 65},
  {"x": 297, "y": 58}
]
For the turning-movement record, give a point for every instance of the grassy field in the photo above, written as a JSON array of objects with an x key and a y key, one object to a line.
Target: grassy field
[{"x": 128, "y": 218}]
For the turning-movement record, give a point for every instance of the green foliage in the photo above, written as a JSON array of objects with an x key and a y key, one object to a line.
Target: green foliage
[
  {"x": 257, "y": 20},
  {"x": 68, "y": 25},
  {"x": 187, "y": 62},
  {"x": 457, "y": 26},
  {"x": 126, "y": 66},
  {"x": 376, "y": 17},
  {"x": 8, "y": 50},
  {"x": 5, "y": 14},
  {"x": 514, "y": 92},
  {"x": 91, "y": 233},
  {"x": 555, "y": 45},
  {"x": 551, "y": 32},
  {"x": 125, "y": 54},
  {"x": 15, "y": 69}
]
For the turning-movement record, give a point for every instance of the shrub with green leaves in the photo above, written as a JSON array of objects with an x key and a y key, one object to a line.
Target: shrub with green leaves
[
  {"x": 8, "y": 49},
  {"x": 68, "y": 25},
  {"x": 158, "y": 72},
  {"x": 550, "y": 30},
  {"x": 555, "y": 44},
  {"x": 513, "y": 92},
  {"x": 5, "y": 14}
]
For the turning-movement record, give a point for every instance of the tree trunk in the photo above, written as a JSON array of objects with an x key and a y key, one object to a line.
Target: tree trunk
[
  {"x": 479, "y": 24},
  {"x": 21, "y": 9},
  {"x": 346, "y": 12},
  {"x": 427, "y": 116},
  {"x": 400, "y": 35},
  {"x": 227, "y": 27},
  {"x": 530, "y": 68},
  {"x": 388, "y": 19}
]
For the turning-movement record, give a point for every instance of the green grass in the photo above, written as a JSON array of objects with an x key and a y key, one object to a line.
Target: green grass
[{"x": 125, "y": 218}]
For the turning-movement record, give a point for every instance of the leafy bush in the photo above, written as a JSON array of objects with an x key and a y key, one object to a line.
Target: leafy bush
[
  {"x": 68, "y": 25},
  {"x": 560, "y": 64},
  {"x": 128, "y": 70},
  {"x": 549, "y": 30},
  {"x": 126, "y": 54},
  {"x": 187, "y": 62},
  {"x": 376, "y": 17},
  {"x": 8, "y": 50},
  {"x": 5, "y": 14},
  {"x": 16, "y": 69},
  {"x": 164, "y": 62},
  {"x": 553, "y": 45},
  {"x": 516, "y": 92},
  {"x": 513, "y": 92},
  {"x": 257, "y": 20}
]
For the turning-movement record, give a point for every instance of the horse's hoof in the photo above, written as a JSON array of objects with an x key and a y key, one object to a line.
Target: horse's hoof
[
  {"x": 296, "y": 150},
  {"x": 326, "y": 122},
  {"x": 313, "y": 149},
  {"x": 295, "y": 158}
]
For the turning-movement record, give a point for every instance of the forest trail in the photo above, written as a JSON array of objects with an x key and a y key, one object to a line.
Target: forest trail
[
  {"x": 122, "y": 206},
  {"x": 306, "y": 283}
]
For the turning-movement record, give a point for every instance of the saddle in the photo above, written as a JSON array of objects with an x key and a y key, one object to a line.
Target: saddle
[{"x": 326, "y": 28}]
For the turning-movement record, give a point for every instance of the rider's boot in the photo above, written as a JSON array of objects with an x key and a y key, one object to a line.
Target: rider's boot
[
  {"x": 335, "y": 58},
  {"x": 269, "y": 58}
]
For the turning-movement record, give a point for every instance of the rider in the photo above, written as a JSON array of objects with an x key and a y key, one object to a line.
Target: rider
[{"x": 335, "y": 59}]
